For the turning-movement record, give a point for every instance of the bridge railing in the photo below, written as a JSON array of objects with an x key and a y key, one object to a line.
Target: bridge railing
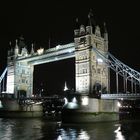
[{"x": 121, "y": 96}]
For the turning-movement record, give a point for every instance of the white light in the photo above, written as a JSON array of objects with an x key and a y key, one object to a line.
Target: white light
[
  {"x": 72, "y": 105},
  {"x": 40, "y": 51},
  {"x": 74, "y": 100},
  {"x": 70, "y": 50},
  {"x": 59, "y": 138},
  {"x": 1, "y": 105},
  {"x": 65, "y": 100},
  {"x": 85, "y": 101},
  {"x": 58, "y": 46},
  {"x": 119, "y": 104},
  {"x": 65, "y": 87},
  {"x": 99, "y": 60},
  {"x": 38, "y": 103}
]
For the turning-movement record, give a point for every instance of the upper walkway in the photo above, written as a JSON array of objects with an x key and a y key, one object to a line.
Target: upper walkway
[
  {"x": 57, "y": 53},
  {"x": 121, "y": 96}
]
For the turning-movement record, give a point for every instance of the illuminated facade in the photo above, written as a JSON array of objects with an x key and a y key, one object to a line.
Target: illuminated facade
[{"x": 92, "y": 74}]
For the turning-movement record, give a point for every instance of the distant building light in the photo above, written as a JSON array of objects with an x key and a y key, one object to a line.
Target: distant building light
[
  {"x": 74, "y": 100},
  {"x": 85, "y": 101},
  {"x": 100, "y": 60},
  {"x": 40, "y": 51},
  {"x": 65, "y": 87}
]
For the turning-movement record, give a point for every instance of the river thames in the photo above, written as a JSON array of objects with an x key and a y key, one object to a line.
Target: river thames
[{"x": 43, "y": 129}]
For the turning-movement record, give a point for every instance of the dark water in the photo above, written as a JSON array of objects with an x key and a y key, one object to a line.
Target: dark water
[{"x": 42, "y": 129}]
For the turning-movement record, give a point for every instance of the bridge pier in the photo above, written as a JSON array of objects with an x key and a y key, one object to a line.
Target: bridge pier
[{"x": 82, "y": 108}]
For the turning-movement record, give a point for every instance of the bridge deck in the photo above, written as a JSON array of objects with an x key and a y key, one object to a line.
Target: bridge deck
[{"x": 121, "y": 96}]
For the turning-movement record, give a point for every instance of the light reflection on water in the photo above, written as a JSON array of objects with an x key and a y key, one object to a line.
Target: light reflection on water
[{"x": 42, "y": 129}]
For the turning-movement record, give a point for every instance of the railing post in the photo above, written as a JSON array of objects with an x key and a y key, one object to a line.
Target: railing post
[
  {"x": 117, "y": 86},
  {"x": 139, "y": 86},
  {"x": 132, "y": 84},
  {"x": 124, "y": 83},
  {"x": 135, "y": 88}
]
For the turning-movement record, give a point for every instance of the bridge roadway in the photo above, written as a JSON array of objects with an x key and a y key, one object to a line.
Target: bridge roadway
[
  {"x": 125, "y": 96},
  {"x": 120, "y": 96}
]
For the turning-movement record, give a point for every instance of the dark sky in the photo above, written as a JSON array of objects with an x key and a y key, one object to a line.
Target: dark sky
[{"x": 37, "y": 21}]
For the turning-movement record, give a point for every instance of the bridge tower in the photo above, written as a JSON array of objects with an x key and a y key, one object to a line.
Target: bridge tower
[
  {"x": 92, "y": 74},
  {"x": 19, "y": 74}
]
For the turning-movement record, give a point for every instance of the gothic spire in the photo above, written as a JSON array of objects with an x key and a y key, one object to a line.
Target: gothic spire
[
  {"x": 16, "y": 48},
  {"x": 105, "y": 37},
  {"x": 77, "y": 25},
  {"x": 32, "y": 49},
  {"x": 65, "y": 87},
  {"x": 49, "y": 43},
  {"x": 105, "y": 29},
  {"x": 91, "y": 20},
  {"x": 10, "y": 43}
]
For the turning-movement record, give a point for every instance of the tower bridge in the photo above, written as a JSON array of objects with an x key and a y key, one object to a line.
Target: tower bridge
[
  {"x": 93, "y": 64},
  {"x": 93, "y": 67}
]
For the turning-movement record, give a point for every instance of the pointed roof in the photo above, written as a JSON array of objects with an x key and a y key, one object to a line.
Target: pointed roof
[
  {"x": 32, "y": 49},
  {"x": 105, "y": 29},
  {"x": 16, "y": 46},
  {"x": 10, "y": 43},
  {"x": 91, "y": 21},
  {"x": 77, "y": 25}
]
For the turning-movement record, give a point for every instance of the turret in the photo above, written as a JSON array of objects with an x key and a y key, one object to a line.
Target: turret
[
  {"x": 97, "y": 31},
  {"x": 24, "y": 52},
  {"x": 89, "y": 29},
  {"x": 16, "y": 52},
  {"x": 9, "y": 49},
  {"x": 105, "y": 37},
  {"x": 76, "y": 31}
]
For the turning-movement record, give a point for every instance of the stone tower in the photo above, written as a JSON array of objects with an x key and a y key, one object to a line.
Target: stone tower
[
  {"x": 19, "y": 73},
  {"x": 92, "y": 73}
]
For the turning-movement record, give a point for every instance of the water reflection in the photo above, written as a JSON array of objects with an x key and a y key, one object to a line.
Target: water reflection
[
  {"x": 119, "y": 135},
  {"x": 42, "y": 129},
  {"x": 96, "y": 131}
]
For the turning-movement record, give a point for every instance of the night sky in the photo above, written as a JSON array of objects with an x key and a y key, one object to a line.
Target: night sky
[{"x": 39, "y": 21}]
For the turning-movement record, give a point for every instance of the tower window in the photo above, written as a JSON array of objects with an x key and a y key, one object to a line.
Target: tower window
[
  {"x": 23, "y": 80},
  {"x": 99, "y": 71},
  {"x": 83, "y": 40},
  {"x": 23, "y": 71}
]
